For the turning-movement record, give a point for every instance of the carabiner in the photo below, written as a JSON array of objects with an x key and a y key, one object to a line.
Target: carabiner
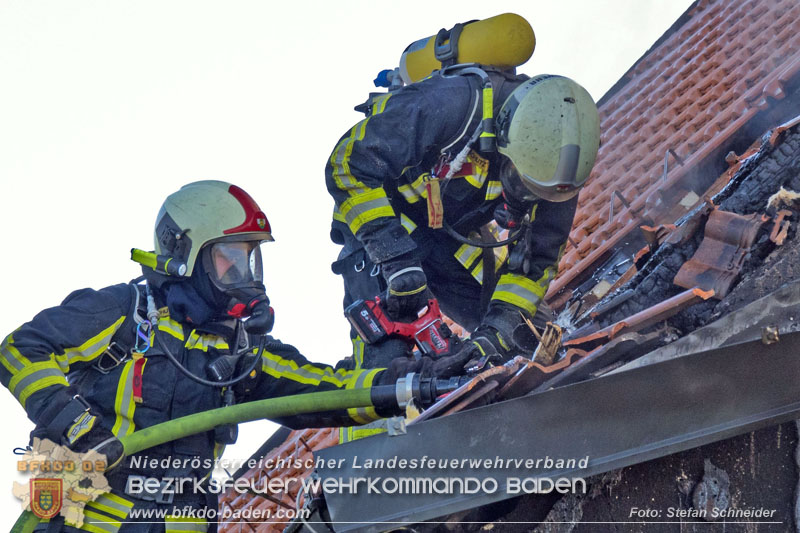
[{"x": 143, "y": 337}]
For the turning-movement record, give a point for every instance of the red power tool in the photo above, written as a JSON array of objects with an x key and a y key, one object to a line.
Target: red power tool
[{"x": 428, "y": 332}]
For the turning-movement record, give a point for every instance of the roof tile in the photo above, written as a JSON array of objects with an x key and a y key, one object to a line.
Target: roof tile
[{"x": 689, "y": 94}]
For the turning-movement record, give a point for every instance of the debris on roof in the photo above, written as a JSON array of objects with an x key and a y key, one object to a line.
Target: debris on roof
[
  {"x": 682, "y": 102},
  {"x": 674, "y": 229}
]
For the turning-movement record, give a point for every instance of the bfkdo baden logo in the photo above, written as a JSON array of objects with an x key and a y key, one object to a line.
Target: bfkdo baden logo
[{"x": 46, "y": 497}]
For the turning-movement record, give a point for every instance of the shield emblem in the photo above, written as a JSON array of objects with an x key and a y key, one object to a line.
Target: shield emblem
[{"x": 46, "y": 496}]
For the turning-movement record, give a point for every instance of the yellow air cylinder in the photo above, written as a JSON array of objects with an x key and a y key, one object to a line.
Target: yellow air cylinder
[{"x": 504, "y": 41}]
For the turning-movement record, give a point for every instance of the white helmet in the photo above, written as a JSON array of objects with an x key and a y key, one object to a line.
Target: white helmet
[
  {"x": 209, "y": 212},
  {"x": 549, "y": 129}
]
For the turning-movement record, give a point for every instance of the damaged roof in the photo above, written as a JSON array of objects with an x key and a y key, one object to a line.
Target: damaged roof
[
  {"x": 695, "y": 95},
  {"x": 682, "y": 101}
]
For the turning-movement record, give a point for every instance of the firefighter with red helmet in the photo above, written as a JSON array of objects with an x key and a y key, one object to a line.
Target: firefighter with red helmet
[{"x": 190, "y": 338}]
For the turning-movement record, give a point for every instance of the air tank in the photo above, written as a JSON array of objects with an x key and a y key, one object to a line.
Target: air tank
[{"x": 504, "y": 41}]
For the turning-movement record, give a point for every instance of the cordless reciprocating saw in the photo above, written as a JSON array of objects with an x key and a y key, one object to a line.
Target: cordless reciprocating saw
[{"x": 428, "y": 332}]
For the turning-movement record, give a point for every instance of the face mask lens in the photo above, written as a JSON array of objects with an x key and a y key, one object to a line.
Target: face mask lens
[
  {"x": 236, "y": 262},
  {"x": 512, "y": 183}
]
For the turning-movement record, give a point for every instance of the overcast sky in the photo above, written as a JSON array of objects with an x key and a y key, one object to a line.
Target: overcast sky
[{"x": 107, "y": 106}]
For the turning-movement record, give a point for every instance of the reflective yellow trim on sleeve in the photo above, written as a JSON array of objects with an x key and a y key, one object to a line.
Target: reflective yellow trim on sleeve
[
  {"x": 89, "y": 350},
  {"x": 278, "y": 367},
  {"x": 407, "y": 223},
  {"x": 363, "y": 415},
  {"x": 412, "y": 192},
  {"x": 35, "y": 377},
  {"x": 112, "y": 504},
  {"x": 10, "y": 357},
  {"x": 521, "y": 291},
  {"x": 366, "y": 207},
  {"x": 340, "y": 158},
  {"x": 337, "y": 215},
  {"x": 97, "y": 523},
  {"x": 40, "y": 385}
]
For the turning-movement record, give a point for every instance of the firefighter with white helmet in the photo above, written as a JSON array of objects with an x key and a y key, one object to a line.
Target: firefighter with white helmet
[
  {"x": 418, "y": 181},
  {"x": 192, "y": 338}
]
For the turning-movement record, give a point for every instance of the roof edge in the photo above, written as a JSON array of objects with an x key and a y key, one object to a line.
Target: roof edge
[{"x": 624, "y": 79}]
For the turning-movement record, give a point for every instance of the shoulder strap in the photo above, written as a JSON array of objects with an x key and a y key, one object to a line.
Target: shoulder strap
[{"x": 124, "y": 339}]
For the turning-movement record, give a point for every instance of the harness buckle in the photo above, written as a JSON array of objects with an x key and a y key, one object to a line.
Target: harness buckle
[{"x": 111, "y": 358}]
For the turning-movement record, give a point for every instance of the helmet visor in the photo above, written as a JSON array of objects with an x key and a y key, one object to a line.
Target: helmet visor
[
  {"x": 513, "y": 186},
  {"x": 236, "y": 263},
  {"x": 520, "y": 188}
]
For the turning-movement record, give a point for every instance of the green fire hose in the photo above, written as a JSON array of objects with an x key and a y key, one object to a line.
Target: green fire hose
[{"x": 245, "y": 412}]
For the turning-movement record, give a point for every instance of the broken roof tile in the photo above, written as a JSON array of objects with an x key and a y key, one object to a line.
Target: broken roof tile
[{"x": 691, "y": 94}]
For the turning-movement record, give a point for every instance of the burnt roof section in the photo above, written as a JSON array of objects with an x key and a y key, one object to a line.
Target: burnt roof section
[{"x": 683, "y": 101}]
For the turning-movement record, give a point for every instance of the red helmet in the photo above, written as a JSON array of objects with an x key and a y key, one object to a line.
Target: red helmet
[{"x": 222, "y": 221}]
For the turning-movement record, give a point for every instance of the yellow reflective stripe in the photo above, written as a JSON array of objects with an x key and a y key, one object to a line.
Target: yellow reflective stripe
[
  {"x": 278, "y": 367},
  {"x": 415, "y": 190},
  {"x": 35, "y": 377},
  {"x": 337, "y": 215},
  {"x": 340, "y": 159},
  {"x": 480, "y": 170},
  {"x": 97, "y": 523},
  {"x": 366, "y": 207},
  {"x": 521, "y": 291},
  {"x": 379, "y": 103},
  {"x": 10, "y": 357},
  {"x": 112, "y": 504},
  {"x": 358, "y": 351},
  {"x": 180, "y": 523},
  {"x": 124, "y": 404},
  {"x": 41, "y": 385},
  {"x": 352, "y": 433},
  {"x": 168, "y": 325},
  {"x": 407, "y": 223},
  {"x": 90, "y": 349},
  {"x": 467, "y": 254},
  {"x": 363, "y": 415},
  {"x": 203, "y": 342},
  {"x": 477, "y": 272},
  {"x": 500, "y": 256},
  {"x": 408, "y": 293},
  {"x": 493, "y": 190},
  {"x": 219, "y": 449}
]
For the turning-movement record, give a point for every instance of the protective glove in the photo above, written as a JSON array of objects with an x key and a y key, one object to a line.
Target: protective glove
[
  {"x": 505, "y": 331},
  {"x": 407, "y": 288},
  {"x": 480, "y": 352},
  {"x": 102, "y": 441},
  {"x": 427, "y": 367},
  {"x": 72, "y": 423},
  {"x": 503, "y": 334}
]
